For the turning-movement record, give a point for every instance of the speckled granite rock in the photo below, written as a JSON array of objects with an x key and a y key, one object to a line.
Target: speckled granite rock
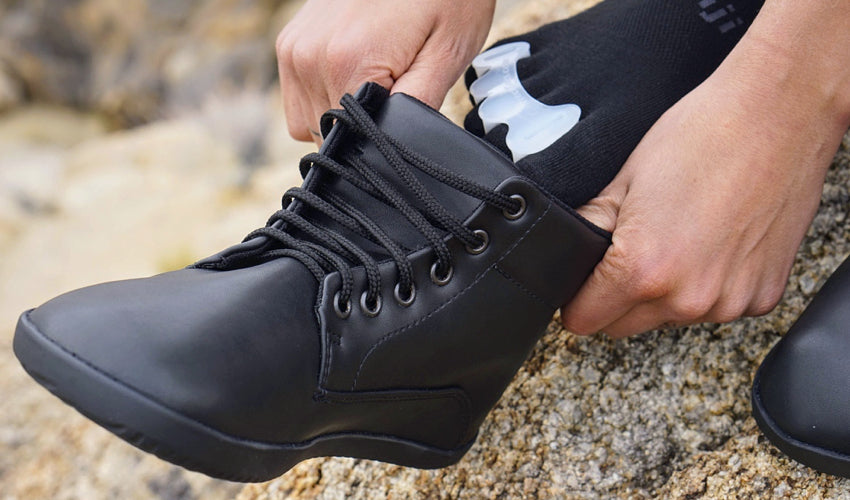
[
  {"x": 747, "y": 466},
  {"x": 663, "y": 415}
]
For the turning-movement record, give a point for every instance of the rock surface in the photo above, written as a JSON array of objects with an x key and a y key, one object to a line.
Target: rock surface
[
  {"x": 663, "y": 415},
  {"x": 136, "y": 60},
  {"x": 79, "y": 206}
]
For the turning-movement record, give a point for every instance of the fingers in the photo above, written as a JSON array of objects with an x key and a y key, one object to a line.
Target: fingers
[
  {"x": 601, "y": 299},
  {"x": 299, "y": 115},
  {"x": 296, "y": 108},
  {"x": 319, "y": 102},
  {"x": 613, "y": 294},
  {"x": 641, "y": 318},
  {"x": 314, "y": 77},
  {"x": 306, "y": 75},
  {"x": 414, "y": 83},
  {"x": 331, "y": 48},
  {"x": 427, "y": 78},
  {"x": 603, "y": 210},
  {"x": 618, "y": 306},
  {"x": 673, "y": 311},
  {"x": 627, "y": 306},
  {"x": 645, "y": 282}
]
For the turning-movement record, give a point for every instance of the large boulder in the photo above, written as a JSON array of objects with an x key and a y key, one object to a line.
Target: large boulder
[{"x": 136, "y": 60}]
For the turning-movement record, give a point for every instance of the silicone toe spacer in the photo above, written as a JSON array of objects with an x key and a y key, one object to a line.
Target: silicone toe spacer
[{"x": 532, "y": 125}]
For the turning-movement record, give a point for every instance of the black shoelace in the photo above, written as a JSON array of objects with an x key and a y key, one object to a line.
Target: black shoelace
[{"x": 324, "y": 250}]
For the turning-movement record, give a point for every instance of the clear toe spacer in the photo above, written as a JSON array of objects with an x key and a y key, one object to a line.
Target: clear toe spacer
[{"x": 532, "y": 125}]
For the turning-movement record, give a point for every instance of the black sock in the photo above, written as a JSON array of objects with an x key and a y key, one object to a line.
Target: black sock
[{"x": 623, "y": 62}]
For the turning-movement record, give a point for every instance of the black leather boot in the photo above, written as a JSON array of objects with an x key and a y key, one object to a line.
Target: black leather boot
[
  {"x": 801, "y": 392},
  {"x": 380, "y": 314}
]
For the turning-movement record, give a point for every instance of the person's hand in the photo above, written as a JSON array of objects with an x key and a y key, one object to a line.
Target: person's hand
[
  {"x": 416, "y": 47},
  {"x": 710, "y": 208}
]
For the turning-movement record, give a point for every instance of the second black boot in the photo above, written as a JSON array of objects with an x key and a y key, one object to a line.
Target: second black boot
[{"x": 801, "y": 392}]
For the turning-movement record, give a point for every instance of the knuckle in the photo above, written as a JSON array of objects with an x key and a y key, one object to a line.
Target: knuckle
[
  {"x": 729, "y": 310},
  {"x": 692, "y": 307},
  {"x": 300, "y": 57},
  {"x": 639, "y": 277},
  {"x": 296, "y": 127},
  {"x": 576, "y": 325},
  {"x": 284, "y": 45},
  {"x": 338, "y": 54},
  {"x": 766, "y": 300},
  {"x": 648, "y": 281},
  {"x": 760, "y": 309},
  {"x": 642, "y": 271},
  {"x": 280, "y": 43},
  {"x": 299, "y": 134}
]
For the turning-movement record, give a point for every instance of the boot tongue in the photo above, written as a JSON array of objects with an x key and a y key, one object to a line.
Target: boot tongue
[{"x": 426, "y": 132}]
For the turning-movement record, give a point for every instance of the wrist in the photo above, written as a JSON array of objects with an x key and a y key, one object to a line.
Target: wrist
[
  {"x": 798, "y": 49},
  {"x": 780, "y": 106},
  {"x": 781, "y": 94}
]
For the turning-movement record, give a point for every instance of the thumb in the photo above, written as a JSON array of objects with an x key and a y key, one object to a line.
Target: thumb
[
  {"x": 604, "y": 209},
  {"x": 429, "y": 77},
  {"x": 599, "y": 296}
]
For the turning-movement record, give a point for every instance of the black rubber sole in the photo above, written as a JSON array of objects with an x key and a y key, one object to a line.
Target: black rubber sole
[
  {"x": 820, "y": 459},
  {"x": 157, "y": 429}
]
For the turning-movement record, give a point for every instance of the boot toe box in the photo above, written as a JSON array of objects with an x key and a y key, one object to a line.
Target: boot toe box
[
  {"x": 802, "y": 387},
  {"x": 230, "y": 349}
]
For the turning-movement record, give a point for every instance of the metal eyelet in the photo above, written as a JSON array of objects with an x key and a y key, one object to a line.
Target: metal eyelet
[
  {"x": 411, "y": 295},
  {"x": 520, "y": 211},
  {"x": 441, "y": 280},
  {"x": 485, "y": 242},
  {"x": 371, "y": 312},
  {"x": 342, "y": 313}
]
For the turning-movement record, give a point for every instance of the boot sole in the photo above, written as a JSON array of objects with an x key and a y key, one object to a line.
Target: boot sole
[
  {"x": 820, "y": 459},
  {"x": 155, "y": 428}
]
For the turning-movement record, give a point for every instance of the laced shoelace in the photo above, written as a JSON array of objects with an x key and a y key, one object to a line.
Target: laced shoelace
[{"x": 325, "y": 250}]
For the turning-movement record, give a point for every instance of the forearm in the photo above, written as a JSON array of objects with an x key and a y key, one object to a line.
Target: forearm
[{"x": 798, "y": 51}]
